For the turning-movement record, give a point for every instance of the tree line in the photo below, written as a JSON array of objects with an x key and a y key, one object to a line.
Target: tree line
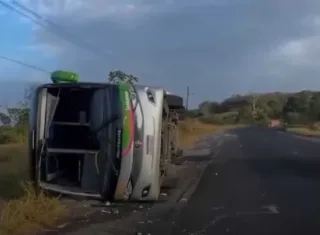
[{"x": 301, "y": 108}]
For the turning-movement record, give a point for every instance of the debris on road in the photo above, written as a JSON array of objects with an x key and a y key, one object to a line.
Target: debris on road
[
  {"x": 271, "y": 208},
  {"x": 62, "y": 225},
  {"x": 105, "y": 211},
  {"x": 115, "y": 211}
]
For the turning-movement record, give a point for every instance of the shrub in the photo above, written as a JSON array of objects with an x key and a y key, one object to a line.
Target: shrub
[
  {"x": 31, "y": 213},
  {"x": 17, "y": 134}
]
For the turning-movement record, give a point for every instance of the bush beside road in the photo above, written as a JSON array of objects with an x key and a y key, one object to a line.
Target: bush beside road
[{"x": 21, "y": 211}]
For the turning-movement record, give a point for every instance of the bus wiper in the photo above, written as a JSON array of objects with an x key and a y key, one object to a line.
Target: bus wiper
[
  {"x": 106, "y": 123},
  {"x": 103, "y": 125}
]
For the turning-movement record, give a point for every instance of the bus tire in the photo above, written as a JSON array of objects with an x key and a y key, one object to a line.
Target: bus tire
[{"x": 174, "y": 101}]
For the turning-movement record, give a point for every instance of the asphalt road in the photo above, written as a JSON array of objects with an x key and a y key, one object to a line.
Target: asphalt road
[
  {"x": 257, "y": 181},
  {"x": 260, "y": 181}
]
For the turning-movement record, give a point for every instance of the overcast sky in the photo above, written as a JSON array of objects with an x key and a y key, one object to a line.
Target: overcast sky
[{"x": 218, "y": 47}]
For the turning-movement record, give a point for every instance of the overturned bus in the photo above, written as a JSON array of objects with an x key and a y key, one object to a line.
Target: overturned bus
[{"x": 101, "y": 140}]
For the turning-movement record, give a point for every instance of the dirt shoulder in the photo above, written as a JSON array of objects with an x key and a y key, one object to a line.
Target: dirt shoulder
[
  {"x": 137, "y": 218},
  {"x": 91, "y": 217},
  {"x": 13, "y": 197}
]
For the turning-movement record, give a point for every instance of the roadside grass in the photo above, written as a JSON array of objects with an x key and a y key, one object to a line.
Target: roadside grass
[
  {"x": 30, "y": 213},
  {"x": 190, "y": 130},
  {"x": 13, "y": 170},
  {"x": 21, "y": 211},
  {"x": 304, "y": 131}
]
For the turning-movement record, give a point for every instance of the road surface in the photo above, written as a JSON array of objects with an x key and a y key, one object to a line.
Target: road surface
[{"x": 257, "y": 181}]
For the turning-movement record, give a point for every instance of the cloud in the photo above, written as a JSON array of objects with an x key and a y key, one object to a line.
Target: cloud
[
  {"x": 217, "y": 47},
  {"x": 301, "y": 53},
  {"x": 46, "y": 49},
  {"x": 82, "y": 10}
]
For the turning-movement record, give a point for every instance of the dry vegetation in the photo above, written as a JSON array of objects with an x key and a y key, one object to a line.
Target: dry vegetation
[
  {"x": 13, "y": 169},
  {"x": 190, "y": 130},
  {"x": 30, "y": 213},
  {"x": 21, "y": 212}
]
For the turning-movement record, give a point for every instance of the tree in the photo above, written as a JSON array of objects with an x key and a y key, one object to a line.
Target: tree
[
  {"x": 245, "y": 114},
  {"x": 314, "y": 109},
  {"x": 274, "y": 109},
  {"x": 208, "y": 107},
  {"x": 253, "y": 100},
  {"x": 119, "y": 76},
  {"x": 299, "y": 103},
  {"x": 291, "y": 105},
  {"x": 18, "y": 115},
  {"x": 24, "y": 110},
  {"x": 4, "y": 119},
  {"x": 298, "y": 108}
]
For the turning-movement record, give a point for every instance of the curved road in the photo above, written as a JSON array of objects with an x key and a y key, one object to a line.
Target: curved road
[{"x": 259, "y": 181}]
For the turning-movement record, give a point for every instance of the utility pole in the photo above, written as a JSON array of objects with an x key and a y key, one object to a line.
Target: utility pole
[{"x": 187, "y": 99}]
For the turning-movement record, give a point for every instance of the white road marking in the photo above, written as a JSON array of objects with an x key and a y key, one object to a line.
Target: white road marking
[
  {"x": 219, "y": 143},
  {"x": 217, "y": 208},
  {"x": 272, "y": 209}
]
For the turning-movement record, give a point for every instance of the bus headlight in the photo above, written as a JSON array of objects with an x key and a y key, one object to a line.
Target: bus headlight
[{"x": 145, "y": 191}]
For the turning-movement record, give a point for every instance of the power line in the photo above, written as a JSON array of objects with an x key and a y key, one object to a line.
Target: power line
[
  {"x": 187, "y": 98},
  {"x": 67, "y": 36},
  {"x": 24, "y": 64},
  {"x": 8, "y": 6},
  {"x": 59, "y": 28}
]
